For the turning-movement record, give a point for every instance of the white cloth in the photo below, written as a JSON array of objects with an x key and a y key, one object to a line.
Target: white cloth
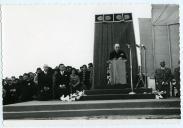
[{"x": 117, "y": 72}]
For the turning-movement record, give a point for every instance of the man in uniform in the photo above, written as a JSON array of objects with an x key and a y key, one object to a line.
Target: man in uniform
[{"x": 163, "y": 77}]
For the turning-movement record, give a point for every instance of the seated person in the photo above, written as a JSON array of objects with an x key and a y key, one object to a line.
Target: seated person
[
  {"x": 61, "y": 82},
  {"x": 74, "y": 81},
  {"x": 163, "y": 76}
]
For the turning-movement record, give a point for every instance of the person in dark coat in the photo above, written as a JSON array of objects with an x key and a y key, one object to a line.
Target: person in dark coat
[
  {"x": 74, "y": 81},
  {"x": 45, "y": 79},
  {"x": 90, "y": 69},
  {"x": 61, "y": 82},
  {"x": 85, "y": 78},
  {"x": 27, "y": 88},
  {"x": 43, "y": 90},
  {"x": 163, "y": 77},
  {"x": 117, "y": 53},
  {"x": 6, "y": 91},
  {"x": 177, "y": 79}
]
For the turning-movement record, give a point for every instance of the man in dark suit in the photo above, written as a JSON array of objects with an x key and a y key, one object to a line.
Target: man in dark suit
[
  {"x": 85, "y": 78},
  {"x": 61, "y": 82},
  {"x": 117, "y": 53}
]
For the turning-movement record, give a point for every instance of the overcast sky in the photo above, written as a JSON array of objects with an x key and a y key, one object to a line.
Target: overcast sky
[{"x": 36, "y": 35}]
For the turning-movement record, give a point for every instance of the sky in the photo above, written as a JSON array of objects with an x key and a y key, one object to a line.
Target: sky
[{"x": 34, "y": 35}]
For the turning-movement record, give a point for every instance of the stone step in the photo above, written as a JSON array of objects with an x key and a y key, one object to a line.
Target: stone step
[
  {"x": 117, "y": 96},
  {"x": 116, "y": 91},
  {"x": 58, "y": 105},
  {"x": 91, "y": 112}
]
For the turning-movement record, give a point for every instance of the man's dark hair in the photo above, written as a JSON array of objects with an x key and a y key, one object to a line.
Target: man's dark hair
[
  {"x": 84, "y": 65},
  {"x": 61, "y": 65},
  {"x": 90, "y": 65}
]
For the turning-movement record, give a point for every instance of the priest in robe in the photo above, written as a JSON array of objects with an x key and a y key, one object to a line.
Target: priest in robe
[{"x": 117, "y": 66}]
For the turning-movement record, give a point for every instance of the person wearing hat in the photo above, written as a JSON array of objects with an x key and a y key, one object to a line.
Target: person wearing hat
[{"x": 163, "y": 77}]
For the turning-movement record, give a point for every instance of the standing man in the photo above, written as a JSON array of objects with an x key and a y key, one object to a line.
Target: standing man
[
  {"x": 90, "y": 69},
  {"x": 85, "y": 78},
  {"x": 117, "y": 53},
  {"x": 117, "y": 67},
  {"x": 163, "y": 77}
]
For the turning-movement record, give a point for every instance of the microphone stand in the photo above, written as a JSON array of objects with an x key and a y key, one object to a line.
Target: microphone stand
[
  {"x": 145, "y": 68},
  {"x": 140, "y": 79},
  {"x": 131, "y": 79}
]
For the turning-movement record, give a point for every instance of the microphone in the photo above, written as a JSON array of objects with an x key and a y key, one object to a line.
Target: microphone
[
  {"x": 128, "y": 45},
  {"x": 143, "y": 46},
  {"x": 137, "y": 45},
  {"x": 140, "y": 46}
]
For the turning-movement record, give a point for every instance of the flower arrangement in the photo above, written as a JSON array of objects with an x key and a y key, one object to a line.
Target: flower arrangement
[{"x": 73, "y": 96}]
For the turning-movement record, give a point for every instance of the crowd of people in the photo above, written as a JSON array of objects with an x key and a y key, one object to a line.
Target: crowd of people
[
  {"x": 62, "y": 81},
  {"x": 47, "y": 83}
]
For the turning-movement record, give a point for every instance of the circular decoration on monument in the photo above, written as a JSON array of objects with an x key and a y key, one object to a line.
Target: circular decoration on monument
[
  {"x": 126, "y": 17},
  {"x": 119, "y": 17},
  {"x": 100, "y": 18},
  {"x": 107, "y": 17}
]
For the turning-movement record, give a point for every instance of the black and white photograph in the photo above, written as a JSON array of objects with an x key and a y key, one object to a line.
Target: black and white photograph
[{"x": 91, "y": 62}]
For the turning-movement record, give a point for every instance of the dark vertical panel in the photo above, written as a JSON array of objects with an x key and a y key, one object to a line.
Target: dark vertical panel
[
  {"x": 96, "y": 57},
  {"x": 104, "y": 55},
  {"x": 106, "y": 35}
]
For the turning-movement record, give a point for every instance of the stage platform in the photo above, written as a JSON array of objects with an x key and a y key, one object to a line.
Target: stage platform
[
  {"x": 112, "y": 94},
  {"x": 98, "y": 109}
]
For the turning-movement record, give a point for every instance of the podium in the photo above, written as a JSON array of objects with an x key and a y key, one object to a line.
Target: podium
[{"x": 117, "y": 72}]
